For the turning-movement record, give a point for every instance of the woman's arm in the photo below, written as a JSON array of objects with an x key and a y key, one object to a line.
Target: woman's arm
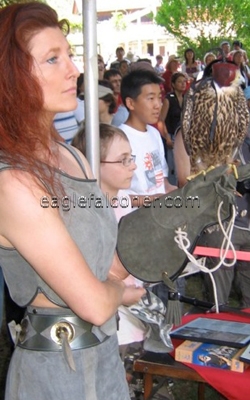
[
  {"x": 162, "y": 118},
  {"x": 40, "y": 236},
  {"x": 164, "y": 110},
  {"x": 183, "y": 67},
  {"x": 181, "y": 160}
]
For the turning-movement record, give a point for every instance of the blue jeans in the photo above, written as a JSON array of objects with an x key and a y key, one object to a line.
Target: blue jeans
[{"x": 1, "y": 296}]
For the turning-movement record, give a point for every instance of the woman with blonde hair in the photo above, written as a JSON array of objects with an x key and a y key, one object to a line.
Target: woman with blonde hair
[{"x": 208, "y": 58}]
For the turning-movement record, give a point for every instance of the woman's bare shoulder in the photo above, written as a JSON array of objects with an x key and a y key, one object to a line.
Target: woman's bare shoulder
[
  {"x": 19, "y": 182},
  {"x": 85, "y": 162},
  {"x": 20, "y": 196}
]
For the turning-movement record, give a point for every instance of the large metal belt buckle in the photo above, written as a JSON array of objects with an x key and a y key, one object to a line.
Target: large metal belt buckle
[{"x": 61, "y": 329}]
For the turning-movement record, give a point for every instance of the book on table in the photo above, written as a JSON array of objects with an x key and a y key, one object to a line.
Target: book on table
[
  {"x": 245, "y": 356},
  {"x": 208, "y": 330},
  {"x": 210, "y": 355}
]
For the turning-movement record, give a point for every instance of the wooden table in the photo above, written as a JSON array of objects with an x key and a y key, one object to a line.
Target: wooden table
[{"x": 164, "y": 365}]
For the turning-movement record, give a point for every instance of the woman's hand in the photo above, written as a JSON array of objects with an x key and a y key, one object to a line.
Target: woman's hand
[{"x": 132, "y": 294}]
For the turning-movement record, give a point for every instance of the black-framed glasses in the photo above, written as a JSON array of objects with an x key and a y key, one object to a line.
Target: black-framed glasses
[{"x": 125, "y": 161}]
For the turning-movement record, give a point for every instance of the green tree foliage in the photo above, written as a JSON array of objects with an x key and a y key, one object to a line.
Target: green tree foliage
[
  {"x": 203, "y": 24},
  {"x": 119, "y": 21}
]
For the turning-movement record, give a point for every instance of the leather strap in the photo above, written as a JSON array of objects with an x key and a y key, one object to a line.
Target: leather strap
[{"x": 215, "y": 252}]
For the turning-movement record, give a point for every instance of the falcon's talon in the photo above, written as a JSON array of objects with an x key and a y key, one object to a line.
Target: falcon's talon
[
  {"x": 210, "y": 168},
  {"x": 203, "y": 172},
  {"x": 190, "y": 177}
]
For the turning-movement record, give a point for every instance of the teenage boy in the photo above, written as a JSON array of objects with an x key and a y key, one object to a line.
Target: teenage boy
[{"x": 141, "y": 95}]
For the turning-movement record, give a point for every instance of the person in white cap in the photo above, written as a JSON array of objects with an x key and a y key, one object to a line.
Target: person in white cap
[
  {"x": 67, "y": 123},
  {"x": 107, "y": 103}
]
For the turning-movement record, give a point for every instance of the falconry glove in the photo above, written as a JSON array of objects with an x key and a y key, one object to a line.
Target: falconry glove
[{"x": 146, "y": 242}]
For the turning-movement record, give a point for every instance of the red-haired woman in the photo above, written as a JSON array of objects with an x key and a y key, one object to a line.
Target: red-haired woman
[
  {"x": 172, "y": 66},
  {"x": 57, "y": 247}
]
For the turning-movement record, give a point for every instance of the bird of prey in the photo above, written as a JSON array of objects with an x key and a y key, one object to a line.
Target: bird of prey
[{"x": 215, "y": 116}]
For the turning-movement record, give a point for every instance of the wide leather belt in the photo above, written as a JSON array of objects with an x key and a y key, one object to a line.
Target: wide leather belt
[
  {"x": 56, "y": 331},
  {"x": 47, "y": 332}
]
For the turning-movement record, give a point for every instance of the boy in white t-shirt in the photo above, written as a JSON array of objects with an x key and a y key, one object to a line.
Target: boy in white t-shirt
[{"x": 141, "y": 94}]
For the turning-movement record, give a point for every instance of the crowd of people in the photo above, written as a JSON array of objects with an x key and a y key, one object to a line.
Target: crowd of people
[{"x": 61, "y": 268}]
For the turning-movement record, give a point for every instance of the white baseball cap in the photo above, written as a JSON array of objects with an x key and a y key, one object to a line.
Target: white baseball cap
[{"x": 103, "y": 91}]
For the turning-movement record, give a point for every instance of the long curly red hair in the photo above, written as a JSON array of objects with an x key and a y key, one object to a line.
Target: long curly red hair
[{"x": 22, "y": 128}]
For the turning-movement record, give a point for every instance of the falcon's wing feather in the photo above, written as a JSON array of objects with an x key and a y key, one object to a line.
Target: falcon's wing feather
[
  {"x": 197, "y": 115},
  {"x": 186, "y": 116},
  {"x": 215, "y": 117},
  {"x": 243, "y": 113}
]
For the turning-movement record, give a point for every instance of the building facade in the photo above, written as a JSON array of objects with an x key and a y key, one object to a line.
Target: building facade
[{"x": 130, "y": 24}]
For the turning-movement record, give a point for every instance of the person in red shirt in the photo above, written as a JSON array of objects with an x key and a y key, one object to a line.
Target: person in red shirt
[{"x": 172, "y": 66}]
